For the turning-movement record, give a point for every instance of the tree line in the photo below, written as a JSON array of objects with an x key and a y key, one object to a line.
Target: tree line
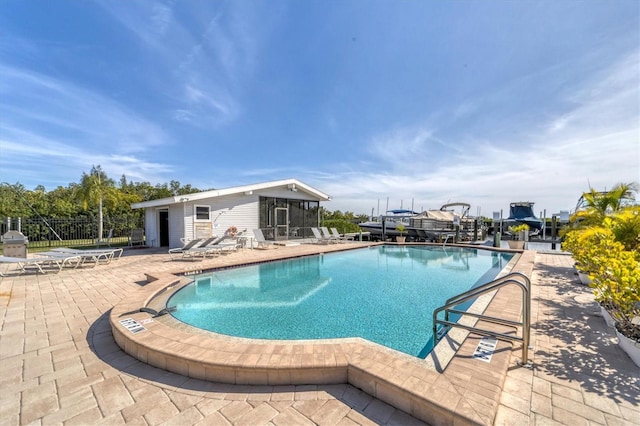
[{"x": 96, "y": 192}]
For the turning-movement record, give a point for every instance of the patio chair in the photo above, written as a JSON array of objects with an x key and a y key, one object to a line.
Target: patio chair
[
  {"x": 330, "y": 237},
  {"x": 64, "y": 258},
  {"x": 94, "y": 255},
  {"x": 320, "y": 239},
  {"x": 212, "y": 245},
  {"x": 106, "y": 241},
  {"x": 337, "y": 236},
  {"x": 262, "y": 242},
  {"x": 214, "y": 239},
  {"x": 225, "y": 246},
  {"x": 137, "y": 237},
  {"x": 174, "y": 252},
  {"x": 38, "y": 262}
]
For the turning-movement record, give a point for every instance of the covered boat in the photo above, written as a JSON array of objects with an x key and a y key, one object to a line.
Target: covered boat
[
  {"x": 386, "y": 224},
  {"x": 432, "y": 225},
  {"x": 522, "y": 212}
]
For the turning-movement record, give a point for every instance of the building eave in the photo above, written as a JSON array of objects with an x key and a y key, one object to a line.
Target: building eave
[{"x": 292, "y": 184}]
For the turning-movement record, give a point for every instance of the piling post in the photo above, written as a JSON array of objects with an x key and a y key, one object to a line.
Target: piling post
[
  {"x": 384, "y": 229},
  {"x": 475, "y": 229}
]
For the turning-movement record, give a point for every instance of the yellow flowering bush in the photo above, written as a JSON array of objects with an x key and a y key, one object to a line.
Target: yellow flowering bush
[
  {"x": 619, "y": 283},
  {"x": 625, "y": 224},
  {"x": 614, "y": 270},
  {"x": 518, "y": 230},
  {"x": 586, "y": 246}
]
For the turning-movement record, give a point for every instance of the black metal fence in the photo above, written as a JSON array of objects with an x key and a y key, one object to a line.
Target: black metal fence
[{"x": 78, "y": 231}]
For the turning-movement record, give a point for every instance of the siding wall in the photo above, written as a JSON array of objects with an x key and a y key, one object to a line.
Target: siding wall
[{"x": 238, "y": 210}]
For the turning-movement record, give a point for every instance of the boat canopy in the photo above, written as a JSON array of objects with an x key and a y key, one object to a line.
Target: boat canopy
[
  {"x": 400, "y": 211},
  {"x": 521, "y": 210}
]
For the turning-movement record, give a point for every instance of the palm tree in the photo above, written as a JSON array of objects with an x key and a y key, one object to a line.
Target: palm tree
[
  {"x": 599, "y": 205},
  {"x": 94, "y": 188}
]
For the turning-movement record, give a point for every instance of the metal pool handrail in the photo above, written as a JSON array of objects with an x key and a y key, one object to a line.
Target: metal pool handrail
[{"x": 516, "y": 278}]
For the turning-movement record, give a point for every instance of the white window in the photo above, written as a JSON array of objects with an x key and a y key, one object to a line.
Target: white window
[{"x": 202, "y": 213}]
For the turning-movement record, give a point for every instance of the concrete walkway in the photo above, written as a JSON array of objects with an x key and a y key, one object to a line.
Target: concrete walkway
[
  {"x": 60, "y": 365},
  {"x": 580, "y": 375}
]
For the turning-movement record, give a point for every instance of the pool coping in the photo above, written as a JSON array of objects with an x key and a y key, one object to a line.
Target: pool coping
[{"x": 449, "y": 386}]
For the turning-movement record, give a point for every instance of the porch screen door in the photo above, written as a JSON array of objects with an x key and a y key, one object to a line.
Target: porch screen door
[{"x": 282, "y": 223}]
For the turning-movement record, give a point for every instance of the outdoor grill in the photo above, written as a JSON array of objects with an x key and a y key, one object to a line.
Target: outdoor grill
[{"x": 14, "y": 244}]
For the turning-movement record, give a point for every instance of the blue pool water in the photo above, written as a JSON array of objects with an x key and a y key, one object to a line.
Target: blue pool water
[{"x": 385, "y": 294}]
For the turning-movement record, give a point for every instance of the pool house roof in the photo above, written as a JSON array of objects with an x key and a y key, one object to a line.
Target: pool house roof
[{"x": 290, "y": 184}]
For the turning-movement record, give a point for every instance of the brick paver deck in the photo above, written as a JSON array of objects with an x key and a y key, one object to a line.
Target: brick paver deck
[
  {"x": 580, "y": 375},
  {"x": 59, "y": 363}
]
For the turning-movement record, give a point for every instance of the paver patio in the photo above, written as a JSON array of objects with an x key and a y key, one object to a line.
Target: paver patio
[{"x": 60, "y": 365}]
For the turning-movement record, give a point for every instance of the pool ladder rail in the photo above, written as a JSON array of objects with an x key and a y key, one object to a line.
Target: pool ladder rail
[{"x": 516, "y": 278}]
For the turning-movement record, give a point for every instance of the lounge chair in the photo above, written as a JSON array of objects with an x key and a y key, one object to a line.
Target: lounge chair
[
  {"x": 337, "y": 236},
  {"x": 212, "y": 245},
  {"x": 214, "y": 239},
  {"x": 326, "y": 234},
  {"x": 174, "y": 252},
  {"x": 320, "y": 239},
  {"x": 259, "y": 237},
  {"x": 94, "y": 255},
  {"x": 38, "y": 262},
  {"x": 64, "y": 258},
  {"x": 225, "y": 246}
]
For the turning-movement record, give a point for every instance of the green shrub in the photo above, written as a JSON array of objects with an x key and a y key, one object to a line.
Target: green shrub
[
  {"x": 614, "y": 270},
  {"x": 343, "y": 226}
]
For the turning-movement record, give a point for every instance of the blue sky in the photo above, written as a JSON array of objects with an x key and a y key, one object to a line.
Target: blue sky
[{"x": 418, "y": 102}]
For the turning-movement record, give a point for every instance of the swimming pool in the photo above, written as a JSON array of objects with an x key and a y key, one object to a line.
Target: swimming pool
[{"x": 385, "y": 294}]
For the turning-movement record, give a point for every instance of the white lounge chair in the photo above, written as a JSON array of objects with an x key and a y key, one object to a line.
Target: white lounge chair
[
  {"x": 181, "y": 251},
  {"x": 38, "y": 262},
  {"x": 320, "y": 239},
  {"x": 225, "y": 246},
  {"x": 212, "y": 245},
  {"x": 330, "y": 237},
  {"x": 94, "y": 255},
  {"x": 214, "y": 239},
  {"x": 259, "y": 237},
  {"x": 337, "y": 236},
  {"x": 64, "y": 258}
]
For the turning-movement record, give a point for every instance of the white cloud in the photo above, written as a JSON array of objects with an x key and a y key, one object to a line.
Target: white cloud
[
  {"x": 72, "y": 113},
  {"x": 204, "y": 60},
  {"x": 161, "y": 18},
  {"x": 594, "y": 139},
  {"x": 50, "y": 124},
  {"x": 410, "y": 148}
]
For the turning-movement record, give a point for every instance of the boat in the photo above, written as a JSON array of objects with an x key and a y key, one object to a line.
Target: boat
[
  {"x": 385, "y": 225},
  {"x": 434, "y": 225},
  {"x": 522, "y": 212}
]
